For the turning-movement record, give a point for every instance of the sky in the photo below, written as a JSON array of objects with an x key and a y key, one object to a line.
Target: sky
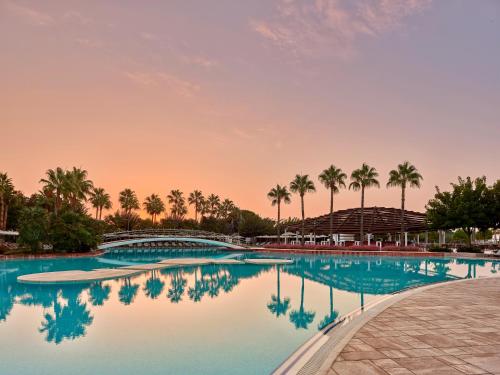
[{"x": 232, "y": 97}]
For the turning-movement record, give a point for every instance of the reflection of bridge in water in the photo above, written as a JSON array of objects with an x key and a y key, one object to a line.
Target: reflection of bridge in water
[{"x": 168, "y": 238}]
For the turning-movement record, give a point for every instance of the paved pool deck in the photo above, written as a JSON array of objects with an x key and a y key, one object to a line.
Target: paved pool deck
[{"x": 453, "y": 328}]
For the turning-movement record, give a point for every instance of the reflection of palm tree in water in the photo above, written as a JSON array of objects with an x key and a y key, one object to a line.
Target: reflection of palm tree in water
[
  {"x": 301, "y": 318},
  {"x": 154, "y": 286},
  {"x": 99, "y": 293},
  {"x": 177, "y": 286},
  {"x": 128, "y": 291},
  {"x": 197, "y": 291},
  {"x": 69, "y": 321},
  {"x": 276, "y": 305},
  {"x": 331, "y": 316}
]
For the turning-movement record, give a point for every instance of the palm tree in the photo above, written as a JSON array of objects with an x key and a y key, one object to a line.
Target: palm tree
[
  {"x": 225, "y": 209},
  {"x": 77, "y": 186},
  {"x": 406, "y": 175},
  {"x": 178, "y": 204},
  {"x": 277, "y": 306},
  {"x": 196, "y": 198},
  {"x": 302, "y": 318},
  {"x": 277, "y": 195},
  {"x": 332, "y": 178},
  {"x": 213, "y": 202},
  {"x": 99, "y": 200},
  {"x": 6, "y": 193},
  {"x": 154, "y": 206},
  {"x": 128, "y": 201},
  {"x": 55, "y": 183},
  {"x": 302, "y": 185},
  {"x": 363, "y": 178}
]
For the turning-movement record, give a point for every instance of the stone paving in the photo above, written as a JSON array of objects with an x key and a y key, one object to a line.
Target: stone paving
[{"x": 449, "y": 329}]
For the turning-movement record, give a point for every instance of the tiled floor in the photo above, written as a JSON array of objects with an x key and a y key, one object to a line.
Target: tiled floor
[{"x": 450, "y": 329}]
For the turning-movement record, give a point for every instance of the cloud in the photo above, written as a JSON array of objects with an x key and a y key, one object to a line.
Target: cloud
[
  {"x": 76, "y": 17},
  {"x": 148, "y": 36},
  {"x": 179, "y": 86},
  {"x": 200, "y": 61},
  {"x": 91, "y": 43},
  {"x": 312, "y": 27},
  {"x": 29, "y": 15}
]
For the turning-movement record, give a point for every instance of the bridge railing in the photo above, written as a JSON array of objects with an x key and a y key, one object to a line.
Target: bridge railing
[{"x": 145, "y": 233}]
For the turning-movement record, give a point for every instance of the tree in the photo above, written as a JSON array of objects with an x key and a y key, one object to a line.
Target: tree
[
  {"x": 362, "y": 179},
  {"x": 99, "y": 200},
  {"x": 213, "y": 202},
  {"x": 465, "y": 207},
  {"x": 6, "y": 194},
  {"x": 406, "y": 175},
  {"x": 154, "y": 206},
  {"x": 196, "y": 198},
  {"x": 128, "y": 201},
  {"x": 301, "y": 185},
  {"x": 333, "y": 179},
  {"x": 78, "y": 187},
  {"x": 178, "y": 207},
  {"x": 277, "y": 195},
  {"x": 55, "y": 183},
  {"x": 72, "y": 231},
  {"x": 33, "y": 227},
  {"x": 251, "y": 224}
]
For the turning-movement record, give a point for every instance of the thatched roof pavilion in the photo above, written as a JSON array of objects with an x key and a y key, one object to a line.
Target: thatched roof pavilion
[{"x": 377, "y": 220}]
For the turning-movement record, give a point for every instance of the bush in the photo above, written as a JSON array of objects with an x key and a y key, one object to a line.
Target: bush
[
  {"x": 33, "y": 225},
  {"x": 401, "y": 248},
  {"x": 439, "y": 249},
  {"x": 73, "y": 232},
  {"x": 469, "y": 249}
]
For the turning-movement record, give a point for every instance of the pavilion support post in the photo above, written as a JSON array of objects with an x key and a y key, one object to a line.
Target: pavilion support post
[
  {"x": 406, "y": 238},
  {"x": 369, "y": 235}
]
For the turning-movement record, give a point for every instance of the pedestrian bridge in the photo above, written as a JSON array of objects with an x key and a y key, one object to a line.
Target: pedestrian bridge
[{"x": 168, "y": 237}]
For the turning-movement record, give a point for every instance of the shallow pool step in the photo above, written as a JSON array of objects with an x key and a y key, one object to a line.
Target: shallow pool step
[{"x": 77, "y": 276}]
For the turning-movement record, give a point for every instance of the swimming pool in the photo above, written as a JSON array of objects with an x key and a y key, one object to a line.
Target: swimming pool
[{"x": 214, "y": 319}]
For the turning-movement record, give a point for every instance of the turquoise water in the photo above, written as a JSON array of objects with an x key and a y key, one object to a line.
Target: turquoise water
[{"x": 228, "y": 319}]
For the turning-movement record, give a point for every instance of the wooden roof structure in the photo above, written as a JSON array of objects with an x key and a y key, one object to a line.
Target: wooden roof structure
[{"x": 377, "y": 220}]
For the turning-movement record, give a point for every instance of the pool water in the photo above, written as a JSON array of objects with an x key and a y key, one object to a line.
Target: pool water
[{"x": 225, "y": 319}]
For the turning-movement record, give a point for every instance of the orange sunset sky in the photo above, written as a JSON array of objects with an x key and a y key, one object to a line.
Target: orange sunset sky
[{"x": 232, "y": 97}]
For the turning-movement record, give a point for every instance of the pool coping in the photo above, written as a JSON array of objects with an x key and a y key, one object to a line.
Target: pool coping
[{"x": 341, "y": 331}]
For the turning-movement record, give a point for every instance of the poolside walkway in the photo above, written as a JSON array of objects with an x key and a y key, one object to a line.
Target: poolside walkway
[{"x": 449, "y": 329}]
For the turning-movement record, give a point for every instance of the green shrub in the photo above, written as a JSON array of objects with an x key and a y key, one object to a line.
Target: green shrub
[{"x": 73, "y": 232}]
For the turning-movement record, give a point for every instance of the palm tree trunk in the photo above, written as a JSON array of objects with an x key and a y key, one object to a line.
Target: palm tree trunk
[
  {"x": 1, "y": 214},
  {"x": 2, "y": 205},
  {"x": 402, "y": 215},
  {"x": 331, "y": 215},
  {"x": 196, "y": 213},
  {"x": 303, "y": 218},
  {"x": 96, "y": 212},
  {"x": 278, "y": 222},
  {"x": 361, "y": 228}
]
